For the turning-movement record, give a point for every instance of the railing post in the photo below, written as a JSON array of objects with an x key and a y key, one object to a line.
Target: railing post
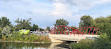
[
  {"x": 83, "y": 30},
  {"x": 62, "y": 29},
  {"x": 96, "y": 32},
  {"x": 90, "y": 30},
  {"x": 69, "y": 29},
  {"x": 58, "y": 29},
  {"x": 93, "y": 31},
  {"x": 73, "y": 30},
  {"x": 86, "y": 30}
]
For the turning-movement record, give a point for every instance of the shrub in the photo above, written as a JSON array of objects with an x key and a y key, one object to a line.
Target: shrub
[
  {"x": 103, "y": 42},
  {"x": 100, "y": 43},
  {"x": 26, "y": 37},
  {"x": 83, "y": 44}
]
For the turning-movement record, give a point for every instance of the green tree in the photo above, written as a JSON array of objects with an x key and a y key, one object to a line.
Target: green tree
[
  {"x": 104, "y": 41},
  {"x": 86, "y": 21},
  {"x": 35, "y": 27},
  {"x": 60, "y": 29},
  {"x": 4, "y": 21},
  {"x": 41, "y": 29},
  {"x": 48, "y": 28},
  {"x": 6, "y": 31},
  {"x": 0, "y": 32},
  {"x": 61, "y": 22},
  {"x": 104, "y": 24},
  {"x": 23, "y": 24}
]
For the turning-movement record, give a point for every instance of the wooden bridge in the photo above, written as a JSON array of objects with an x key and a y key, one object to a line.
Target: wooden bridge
[{"x": 64, "y": 33}]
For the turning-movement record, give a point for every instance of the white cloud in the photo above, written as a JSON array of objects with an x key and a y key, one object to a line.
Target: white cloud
[
  {"x": 69, "y": 9},
  {"x": 61, "y": 10},
  {"x": 41, "y": 12},
  {"x": 84, "y": 3}
]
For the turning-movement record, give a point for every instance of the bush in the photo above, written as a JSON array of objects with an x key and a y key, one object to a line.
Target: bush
[
  {"x": 26, "y": 37},
  {"x": 83, "y": 44},
  {"x": 100, "y": 43},
  {"x": 0, "y": 32},
  {"x": 103, "y": 42}
]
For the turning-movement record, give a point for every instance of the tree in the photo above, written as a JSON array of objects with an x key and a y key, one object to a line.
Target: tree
[
  {"x": 23, "y": 24},
  {"x": 35, "y": 27},
  {"x": 41, "y": 29},
  {"x": 74, "y": 27},
  {"x": 4, "y": 21},
  {"x": 104, "y": 24},
  {"x": 86, "y": 21},
  {"x": 6, "y": 31},
  {"x": 48, "y": 28},
  {"x": 0, "y": 32},
  {"x": 61, "y": 22}
]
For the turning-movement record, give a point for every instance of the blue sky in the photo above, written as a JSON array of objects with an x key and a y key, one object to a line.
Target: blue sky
[{"x": 45, "y": 12}]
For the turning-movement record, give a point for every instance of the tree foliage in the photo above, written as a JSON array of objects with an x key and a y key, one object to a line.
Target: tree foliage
[
  {"x": 0, "y": 30},
  {"x": 6, "y": 30},
  {"x": 4, "y": 21},
  {"x": 86, "y": 21},
  {"x": 23, "y": 24},
  {"x": 61, "y": 22},
  {"x": 104, "y": 24},
  {"x": 41, "y": 29},
  {"x": 35, "y": 27},
  {"x": 48, "y": 28}
]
